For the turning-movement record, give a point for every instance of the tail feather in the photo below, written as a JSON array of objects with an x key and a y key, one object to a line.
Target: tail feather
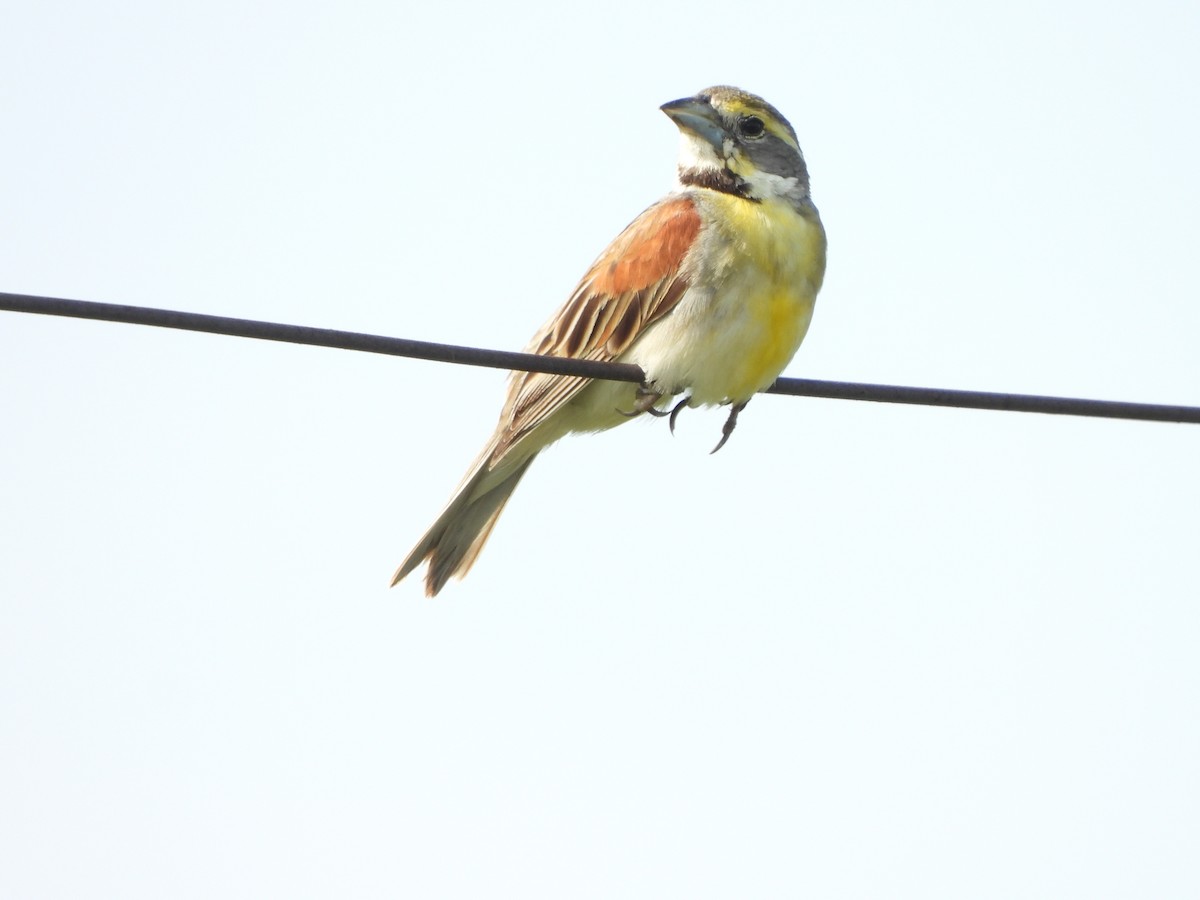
[{"x": 453, "y": 542}]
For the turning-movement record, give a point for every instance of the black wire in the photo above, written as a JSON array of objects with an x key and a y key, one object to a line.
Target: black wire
[{"x": 501, "y": 359}]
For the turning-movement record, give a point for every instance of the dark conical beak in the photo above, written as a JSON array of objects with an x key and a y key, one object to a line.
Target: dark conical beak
[{"x": 697, "y": 117}]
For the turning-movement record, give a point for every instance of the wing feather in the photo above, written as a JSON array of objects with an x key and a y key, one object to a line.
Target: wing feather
[{"x": 636, "y": 281}]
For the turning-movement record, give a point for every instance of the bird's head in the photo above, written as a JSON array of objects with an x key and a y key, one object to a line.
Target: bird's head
[{"x": 738, "y": 143}]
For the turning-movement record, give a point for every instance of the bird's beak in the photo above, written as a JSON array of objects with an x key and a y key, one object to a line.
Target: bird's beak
[{"x": 699, "y": 118}]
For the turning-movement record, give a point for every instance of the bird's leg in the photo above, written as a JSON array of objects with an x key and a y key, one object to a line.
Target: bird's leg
[
  {"x": 646, "y": 397},
  {"x": 730, "y": 424}
]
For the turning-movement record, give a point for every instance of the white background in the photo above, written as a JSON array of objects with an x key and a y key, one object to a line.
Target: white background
[{"x": 863, "y": 652}]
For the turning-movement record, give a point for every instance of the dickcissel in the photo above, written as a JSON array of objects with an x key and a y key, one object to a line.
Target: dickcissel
[{"x": 710, "y": 291}]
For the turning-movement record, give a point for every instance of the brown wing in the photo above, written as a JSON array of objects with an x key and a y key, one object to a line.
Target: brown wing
[{"x": 636, "y": 281}]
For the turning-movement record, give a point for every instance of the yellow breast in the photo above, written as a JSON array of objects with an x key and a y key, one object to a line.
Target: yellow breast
[{"x": 773, "y": 266}]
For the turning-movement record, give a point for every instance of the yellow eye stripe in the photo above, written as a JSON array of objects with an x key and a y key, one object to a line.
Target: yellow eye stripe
[{"x": 736, "y": 109}]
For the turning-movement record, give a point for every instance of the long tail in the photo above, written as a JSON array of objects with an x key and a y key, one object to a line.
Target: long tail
[{"x": 455, "y": 539}]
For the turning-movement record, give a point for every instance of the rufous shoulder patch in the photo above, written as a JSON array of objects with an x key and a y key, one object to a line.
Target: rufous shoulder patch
[{"x": 650, "y": 250}]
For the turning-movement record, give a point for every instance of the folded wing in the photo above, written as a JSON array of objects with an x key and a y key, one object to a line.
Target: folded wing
[{"x": 639, "y": 279}]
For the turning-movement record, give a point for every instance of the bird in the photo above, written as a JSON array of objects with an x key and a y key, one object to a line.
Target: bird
[{"x": 710, "y": 291}]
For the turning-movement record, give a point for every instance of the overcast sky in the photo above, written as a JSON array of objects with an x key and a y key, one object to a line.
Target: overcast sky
[{"x": 863, "y": 652}]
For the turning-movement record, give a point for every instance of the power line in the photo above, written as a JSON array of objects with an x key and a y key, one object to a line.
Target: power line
[{"x": 501, "y": 359}]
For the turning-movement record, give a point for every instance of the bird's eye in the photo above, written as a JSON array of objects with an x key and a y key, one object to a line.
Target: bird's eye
[{"x": 751, "y": 127}]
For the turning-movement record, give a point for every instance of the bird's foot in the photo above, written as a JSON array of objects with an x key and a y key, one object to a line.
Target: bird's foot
[
  {"x": 644, "y": 401},
  {"x": 730, "y": 424}
]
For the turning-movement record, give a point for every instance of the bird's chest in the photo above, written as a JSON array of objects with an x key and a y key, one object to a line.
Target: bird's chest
[
  {"x": 766, "y": 266},
  {"x": 766, "y": 259}
]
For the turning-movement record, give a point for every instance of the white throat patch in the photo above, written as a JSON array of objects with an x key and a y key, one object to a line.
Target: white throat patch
[{"x": 697, "y": 153}]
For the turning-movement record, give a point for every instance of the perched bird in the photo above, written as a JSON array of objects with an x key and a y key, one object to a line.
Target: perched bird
[{"x": 710, "y": 291}]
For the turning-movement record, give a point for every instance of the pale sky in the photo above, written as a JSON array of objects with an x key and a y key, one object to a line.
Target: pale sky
[{"x": 863, "y": 652}]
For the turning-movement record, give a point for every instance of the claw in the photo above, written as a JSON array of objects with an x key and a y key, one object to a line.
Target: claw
[
  {"x": 730, "y": 424},
  {"x": 646, "y": 398},
  {"x": 675, "y": 410}
]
